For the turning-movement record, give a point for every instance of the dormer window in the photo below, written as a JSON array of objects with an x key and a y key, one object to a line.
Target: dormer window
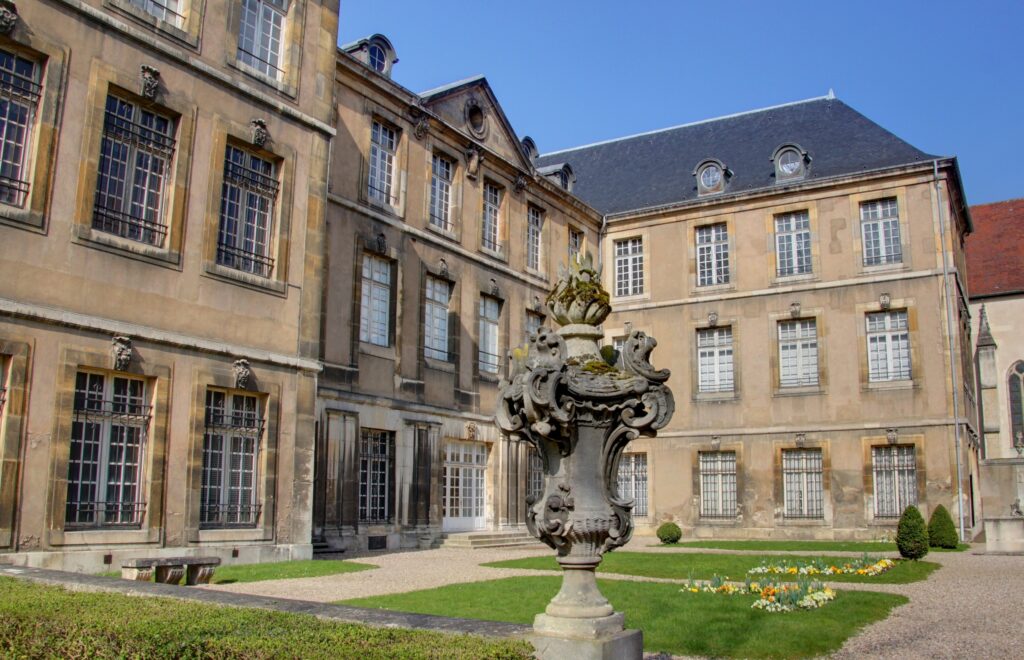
[
  {"x": 560, "y": 174},
  {"x": 378, "y": 60},
  {"x": 712, "y": 176},
  {"x": 790, "y": 163},
  {"x": 375, "y": 52}
]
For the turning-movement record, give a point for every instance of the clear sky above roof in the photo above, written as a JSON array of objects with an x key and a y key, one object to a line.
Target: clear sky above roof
[{"x": 944, "y": 75}]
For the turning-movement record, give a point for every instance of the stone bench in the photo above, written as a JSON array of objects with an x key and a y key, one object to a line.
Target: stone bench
[{"x": 196, "y": 570}]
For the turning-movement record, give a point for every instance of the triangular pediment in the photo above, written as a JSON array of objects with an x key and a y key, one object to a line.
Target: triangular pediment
[{"x": 471, "y": 107}]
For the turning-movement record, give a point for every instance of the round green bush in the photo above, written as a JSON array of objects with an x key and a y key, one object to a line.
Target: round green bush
[
  {"x": 669, "y": 533},
  {"x": 941, "y": 530},
  {"x": 911, "y": 534}
]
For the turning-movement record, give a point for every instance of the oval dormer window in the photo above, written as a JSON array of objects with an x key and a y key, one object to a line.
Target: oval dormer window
[
  {"x": 711, "y": 176},
  {"x": 378, "y": 59},
  {"x": 790, "y": 163}
]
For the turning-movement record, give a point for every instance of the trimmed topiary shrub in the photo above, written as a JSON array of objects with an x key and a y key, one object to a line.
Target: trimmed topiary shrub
[
  {"x": 669, "y": 533},
  {"x": 941, "y": 530},
  {"x": 911, "y": 534}
]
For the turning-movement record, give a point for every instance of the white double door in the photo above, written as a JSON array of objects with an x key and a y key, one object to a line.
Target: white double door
[{"x": 465, "y": 472}]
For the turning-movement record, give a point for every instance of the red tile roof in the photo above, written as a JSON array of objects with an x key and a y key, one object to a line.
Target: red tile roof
[{"x": 995, "y": 250}]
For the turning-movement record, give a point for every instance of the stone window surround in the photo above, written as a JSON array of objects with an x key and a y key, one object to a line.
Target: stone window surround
[
  {"x": 502, "y": 218},
  {"x": 737, "y": 372},
  {"x": 868, "y": 442},
  {"x": 446, "y": 151},
  {"x": 609, "y": 253},
  {"x": 189, "y": 34},
  {"x": 291, "y": 47},
  {"x": 910, "y": 306},
  {"x": 542, "y": 240},
  {"x": 735, "y": 446},
  {"x": 817, "y": 314},
  {"x": 805, "y": 163},
  {"x": 157, "y": 376},
  {"x": 779, "y": 490},
  {"x": 728, "y": 219},
  {"x": 376, "y": 113},
  {"x": 454, "y": 306},
  {"x": 104, "y": 80},
  {"x": 855, "y": 200},
  {"x": 268, "y": 393},
  {"x": 52, "y": 60},
  {"x": 15, "y": 356},
  {"x": 229, "y": 132},
  {"x": 393, "y": 256},
  {"x": 811, "y": 207}
]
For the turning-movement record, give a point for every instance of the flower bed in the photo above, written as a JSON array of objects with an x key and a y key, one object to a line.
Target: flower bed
[
  {"x": 863, "y": 566},
  {"x": 772, "y": 596}
]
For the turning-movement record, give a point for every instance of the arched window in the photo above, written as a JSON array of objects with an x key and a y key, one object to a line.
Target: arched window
[{"x": 1015, "y": 385}]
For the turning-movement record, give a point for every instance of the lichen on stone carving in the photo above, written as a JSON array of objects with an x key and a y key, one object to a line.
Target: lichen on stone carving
[{"x": 578, "y": 297}]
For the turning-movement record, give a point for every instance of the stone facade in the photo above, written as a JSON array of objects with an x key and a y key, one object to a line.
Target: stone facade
[{"x": 153, "y": 239}]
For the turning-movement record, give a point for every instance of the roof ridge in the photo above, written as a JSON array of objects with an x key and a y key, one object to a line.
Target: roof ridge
[
  {"x": 1002, "y": 201},
  {"x": 828, "y": 97},
  {"x": 452, "y": 85}
]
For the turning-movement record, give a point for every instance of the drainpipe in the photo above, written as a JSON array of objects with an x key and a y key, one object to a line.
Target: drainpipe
[{"x": 940, "y": 214}]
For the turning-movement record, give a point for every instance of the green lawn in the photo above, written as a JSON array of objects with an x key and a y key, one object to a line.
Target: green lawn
[
  {"x": 701, "y": 566},
  {"x": 39, "y": 621},
  {"x": 281, "y": 570},
  {"x": 799, "y": 546},
  {"x": 673, "y": 621}
]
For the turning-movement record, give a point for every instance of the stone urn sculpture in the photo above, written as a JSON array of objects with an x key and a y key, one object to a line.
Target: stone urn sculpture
[{"x": 579, "y": 406}]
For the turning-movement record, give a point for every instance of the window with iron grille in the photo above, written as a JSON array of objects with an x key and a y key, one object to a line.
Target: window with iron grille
[
  {"x": 19, "y": 99},
  {"x": 895, "y": 472},
  {"x": 260, "y": 36},
  {"x": 441, "y": 192},
  {"x": 109, "y": 424},
  {"x": 718, "y": 484},
  {"x": 383, "y": 141},
  {"x": 490, "y": 310},
  {"x": 1015, "y": 389},
  {"x": 793, "y": 243},
  {"x": 534, "y": 475},
  {"x": 533, "y": 323},
  {"x": 491, "y": 224},
  {"x": 435, "y": 319},
  {"x": 575, "y": 243},
  {"x": 247, "y": 203},
  {"x": 712, "y": 255},
  {"x": 632, "y": 481},
  {"x": 375, "y": 301},
  {"x": 714, "y": 360},
  {"x": 880, "y": 231},
  {"x": 888, "y": 340},
  {"x": 231, "y": 445},
  {"x": 629, "y": 267},
  {"x": 534, "y": 232},
  {"x": 802, "y": 483},
  {"x": 376, "y": 467},
  {"x": 798, "y": 353},
  {"x": 168, "y": 11},
  {"x": 134, "y": 172}
]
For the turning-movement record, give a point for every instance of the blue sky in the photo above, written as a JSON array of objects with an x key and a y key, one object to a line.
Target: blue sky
[{"x": 948, "y": 77}]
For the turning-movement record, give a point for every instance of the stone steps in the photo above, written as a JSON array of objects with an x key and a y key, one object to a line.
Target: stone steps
[{"x": 489, "y": 539}]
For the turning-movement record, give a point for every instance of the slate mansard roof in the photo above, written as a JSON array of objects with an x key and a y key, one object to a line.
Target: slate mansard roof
[{"x": 656, "y": 169}]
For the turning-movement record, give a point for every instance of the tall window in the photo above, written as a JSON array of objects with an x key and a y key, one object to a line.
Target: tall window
[
  {"x": 108, "y": 442},
  {"x": 19, "y": 98},
  {"x": 534, "y": 474},
  {"x": 798, "y": 353},
  {"x": 714, "y": 359},
  {"x": 435, "y": 331},
  {"x": 259, "y": 40},
  {"x": 491, "y": 218},
  {"x": 533, "y": 323},
  {"x": 895, "y": 471},
  {"x": 718, "y": 484},
  {"x": 375, "y": 301},
  {"x": 793, "y": 243},
  {"x": 231, "y": 444},
  {"x": 880, "y": 230},
  {"x": 135, "y": 158},
  {"x": 488, "y": 351},
  {"x": 376, "y": 465},
  {"x": 168, "y": 11},
  {"x": 888, "y": 346},
  {"x": 632, "y": 481},
  {"x": 802, "y": 483},
  {"x": 246, "y": 212},
  {"x": 629, "y": 267},
  {"x": 534, "y": 231},
  {"x": 712, "y": 255},
  {"x": 575, "y": 243},
  {"x": 383, "y": 141},
  {"x": 441, "y": 192},
  {"x": 1015, "y": 388}
]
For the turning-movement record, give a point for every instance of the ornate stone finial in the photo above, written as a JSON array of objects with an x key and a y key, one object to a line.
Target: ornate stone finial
[
  {"x": 474, "y": 158},
  {"x": 985, "y": 337},
  {"x": 712, "y": 319},
  {"x": 8, "y": 16},
  {"x": 150, "y": 79},
  {"x": 442, "y": 268},
  {"x": 794, "y": 310},
  {"x": 801, "y": 440},
  {"x": 519, "y": 185},
  {"x": 494, "y": 290},
  {"x": 260, "y": 133},
  {"x": 885, "y": 301},
  {"x": 892, "y": 436},
  {"x": 382, "y": 243},
  {"x": 578, "y": 297},
  {"x": 242, "y": 373},
  {"x": 121, "y": 351}
]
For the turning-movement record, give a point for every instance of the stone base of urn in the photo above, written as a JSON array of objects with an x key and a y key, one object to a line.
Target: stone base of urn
[{"x": 601, "y": 638}]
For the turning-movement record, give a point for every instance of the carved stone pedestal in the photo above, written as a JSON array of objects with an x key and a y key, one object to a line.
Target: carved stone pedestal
[{"x": 623, "y": 645}]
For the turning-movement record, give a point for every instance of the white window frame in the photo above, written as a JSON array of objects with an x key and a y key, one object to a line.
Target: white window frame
[
  {"x": 488, "y": 358},
  {"x": 576, "y": 243},
  {"x": 803, "y": 483},
  {"x": 20, "y": 91},
  {"x": 490, "y": 226},
  {"x": 229, "y": 495},
  {"x": 376, "y": 475},
  {"x": 888, "y": 346},
  {"x": 168, "y": 11},
  {"x": 798, "y": 352},
  {"x": 375, "y": 301},
  {"x": 534, "y": 234},
  {"x": 441, "y": 171},
  {"x": 715, "y": 366},
  {"x": 793, "y": 244},
  {"x": 880, "y": 232},
  {"x": 629, "y": 266},
  {"x": 712, "y": 254},
  {"x": 435, "y": 319},
  {"x": 894, "y": 469},
  {"x": 261, "y": 36},
  {"x": 717, "y": 484},
  {"x": 383, "y": 150},
  {"x": 632, "y": 481},
  {"x": 248, "y": 199}
]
